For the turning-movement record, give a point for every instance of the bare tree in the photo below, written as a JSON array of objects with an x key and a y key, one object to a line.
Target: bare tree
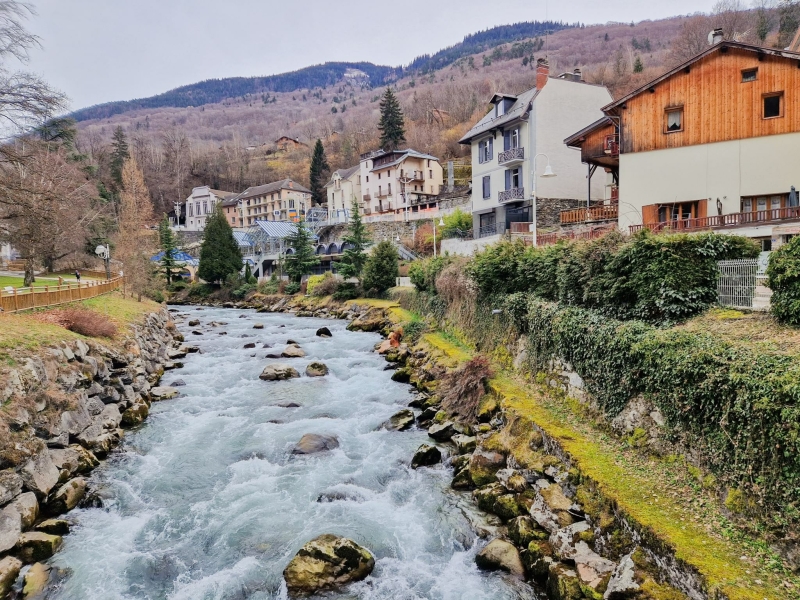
[
  {"x": 46, "y": 206},
  {"x": 134, "y": 241},
  {"x": 735, "y": 20},
  {"x": 692, "y": 40}
]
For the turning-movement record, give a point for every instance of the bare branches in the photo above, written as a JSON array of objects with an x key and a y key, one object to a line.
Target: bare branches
[{"x": 15, "y": 40}]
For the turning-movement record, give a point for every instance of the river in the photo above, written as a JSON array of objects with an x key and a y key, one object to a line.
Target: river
[{"x": 206, "y": 501}]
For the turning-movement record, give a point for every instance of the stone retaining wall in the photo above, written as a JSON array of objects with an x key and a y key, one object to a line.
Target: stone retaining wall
[{"x": 65, "y": 410}]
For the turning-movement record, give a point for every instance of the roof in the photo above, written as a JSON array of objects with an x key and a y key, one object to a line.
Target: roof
[
  {"x": 178, "y": 256},
  {"x": 222, "y": 194},
  {"x": 573, "y": 140},
  {"x": 231, "y": 201},
  {"x": 291, "y": 139},
  {"x": 500, "y": 96},
  {"x": 273, "y": 187},
  {"x": 489, "y": 122},
  {"x": 343, "y": 173},
  {"x": 243, "y": 238},
  {"x": 403, "y": 154},
  {"x": 722, "y": 46},
  {"x": 277, "y": 229}
]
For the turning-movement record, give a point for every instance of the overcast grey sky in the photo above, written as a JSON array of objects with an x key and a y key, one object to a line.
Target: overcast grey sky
[{"x": 102, "y": 50}]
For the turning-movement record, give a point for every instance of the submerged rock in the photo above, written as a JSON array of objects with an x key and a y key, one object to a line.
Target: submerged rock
[
  {"x": 501, "y": 555},
  {"x": 312, "y": 443},
  {"x": 194, "y": 322},
  {"x": 324, "y": 332},
  {"x": 293, "y": 351},
  {"x": 400, "y": 421},
  {"x": 258, "y": 326},
  {"x": 426, "y": 456},
  {"x": 249, "y": 346},
  {"x": 327, "y": 562},
  {"x": 68, "y": 496},
  {"x": 36, "y": 580},
  {"x": 278, "y": 372},
  {"x": 163, "y": 393}
]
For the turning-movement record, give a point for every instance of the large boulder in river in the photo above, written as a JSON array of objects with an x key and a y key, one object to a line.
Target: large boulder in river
[
  {"x": 163, "y": 392},
  {"x": 324, "y": 332},
  {"x": 325, "y": 563},
  {"x": 311, "y": 443},
  {"x": 426, "y": 456},
  {"x": 400, "y": 421},
  {"x": 500, "y": 555},
  {"x": 316, "y": 369},
  {"x": 293, "y": 351},
  {"x": 278, "y": 372}
]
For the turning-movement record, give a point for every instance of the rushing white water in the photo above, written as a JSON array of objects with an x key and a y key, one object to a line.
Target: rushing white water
[{"x": 206, "y": 501}]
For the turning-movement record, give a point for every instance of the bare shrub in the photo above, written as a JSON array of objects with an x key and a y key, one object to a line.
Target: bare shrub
[
  {"x": 466, "y": 386},
  {"x": 327, "y": 287},
  {"x": 88, "y": 323},
  {"x": 458, "y": 291}
]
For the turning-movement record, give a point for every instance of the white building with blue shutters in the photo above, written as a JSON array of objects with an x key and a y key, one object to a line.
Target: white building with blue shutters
[{"x": 516, "y": 130}]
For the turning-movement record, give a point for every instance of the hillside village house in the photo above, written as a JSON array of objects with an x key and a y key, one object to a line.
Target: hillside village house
[
  {"x": 521, "y": 130},
  {"x": 712, "y": 144},
  {"x": 399, "y": 181},
  {"x": 342, "y": 189},
  {"x": 283, "y": 200},
  {"x": 286, "y": 144},
  {"x": 197, "y": 207}
]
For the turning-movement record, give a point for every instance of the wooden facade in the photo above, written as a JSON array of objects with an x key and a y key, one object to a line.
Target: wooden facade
[{"x": 720, "y": 98}]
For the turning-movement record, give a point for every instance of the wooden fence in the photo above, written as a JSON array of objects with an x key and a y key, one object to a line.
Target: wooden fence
[{"x": 19, "y": 299}]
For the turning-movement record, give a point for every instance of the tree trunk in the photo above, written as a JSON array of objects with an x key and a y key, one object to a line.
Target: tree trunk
[{"x": 30, "y": 276}]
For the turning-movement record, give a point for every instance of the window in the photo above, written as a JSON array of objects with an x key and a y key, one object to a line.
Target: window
[
  {"x": 773, "y": 105},
  {"x": 291, "y": 203},
  {"x": 189, "y": 206},
  {"x": 674, "y": 120},
  {"x": 390, "y": 189},
  {"x": 197, "y": 209},
  {"x": 487, "y": 187},
  {"x": 749, "y": 75},
  {"x": 766, "y": 245},
  {"x": 379, "y": 175},
  {"x": 765, "y": 203},
  {"x": 513, "y": 179},
  {"x": 511, "y": 139},
  {"x": 485, "y": 151},
  {"x": 431, "y": 173}
]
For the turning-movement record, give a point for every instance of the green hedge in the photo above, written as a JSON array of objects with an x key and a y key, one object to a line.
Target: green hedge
[
  {"x": 656, "y": 278},
  {"x": 740, "y": 407},
  {"x": 783, "y": 278}
]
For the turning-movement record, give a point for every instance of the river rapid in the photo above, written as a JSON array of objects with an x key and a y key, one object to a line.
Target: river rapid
[{"x": 206, "y": 501}]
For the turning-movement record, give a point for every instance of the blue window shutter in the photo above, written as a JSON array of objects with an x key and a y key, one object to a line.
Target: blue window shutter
[
  {"x": 487, "y": 190},
  {"x": 491, "y": 148},
  {"x": 508, "y": 180},
  {"x": 506, "y": 141}
]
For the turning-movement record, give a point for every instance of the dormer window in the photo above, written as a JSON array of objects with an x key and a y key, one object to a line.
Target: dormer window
[{"x": 500, "y": 108}]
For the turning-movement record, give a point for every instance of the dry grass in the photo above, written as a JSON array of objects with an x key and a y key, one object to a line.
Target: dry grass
[
  {"x": 758, "y": 330},
  {"x": 465, "y": 387},
  {"x": 89, "y": 323}
]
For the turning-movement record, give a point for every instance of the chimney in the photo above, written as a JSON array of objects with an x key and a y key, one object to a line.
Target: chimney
[
  {"x": 577, "y": 75},
  {"x": 542, "y": 73},
  {"x": 715, "y": 37}
]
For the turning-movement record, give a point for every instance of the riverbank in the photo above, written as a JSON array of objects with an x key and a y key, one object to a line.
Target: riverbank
[
  {"x": 65, "y": 401},
  {"x": 655, "y": 501}
]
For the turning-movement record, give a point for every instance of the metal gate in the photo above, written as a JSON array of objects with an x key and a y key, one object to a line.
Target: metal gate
[{"x": 742, "y": 284}]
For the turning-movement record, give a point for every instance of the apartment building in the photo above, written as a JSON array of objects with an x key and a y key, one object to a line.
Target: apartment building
[
  {"x": 522, "y": 137},
  {"x": 283, "y": 200},
  {"x": 398, "y": 181},
  {"x": 342, "y": 189},
  {"x": 200, "y": 205}
]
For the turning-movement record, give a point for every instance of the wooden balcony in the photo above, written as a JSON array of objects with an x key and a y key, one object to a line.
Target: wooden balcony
[
  {"x": 512, "y": 195},
  {"x": 593, "y": 214},
  {"x": 761, "y": 217},
  {"x": 511, "y": 157}
]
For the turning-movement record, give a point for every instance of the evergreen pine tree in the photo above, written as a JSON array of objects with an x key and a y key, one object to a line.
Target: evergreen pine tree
[
  {"x": 638, "y": 65},
  {"x": 381, "y": 269},
  {"x": 319, "y": 175},
  {"x": 168, "y": 243},
  {"x": 352, "y": 263},
  {"x": 119, "y": 154},
  {"x": 391, "y": 125},
  {"x": 219, "y": 255},
  {"x": 303, "y": 261}
]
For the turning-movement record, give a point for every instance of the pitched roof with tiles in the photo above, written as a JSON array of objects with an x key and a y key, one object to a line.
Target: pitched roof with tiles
[
  {"x": 402, "y": 155},
  {"x": 343, "y": 173},
  {"x": 489, "y": 122},
  {"x": 270, "y": 188}
]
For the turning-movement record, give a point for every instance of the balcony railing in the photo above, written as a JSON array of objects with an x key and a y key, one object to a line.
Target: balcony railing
[
  {"x": 511, "y": 156},
  {"x": 413, "y": 175},
  {"x": 493, "y": 229},
  {"x": 790, "y": 213},
  {"x": 367, "y": 198},
  {"x": 604, "y": 212},
  {"x": 611, "y": 145},
  {"x": 384, "y": 193},
  {"x": 511, "y": 195}
]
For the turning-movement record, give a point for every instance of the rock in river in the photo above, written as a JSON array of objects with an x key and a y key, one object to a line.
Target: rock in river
[
  {"x": 426, "y": 456},
  {"x": 278, "y": 372},
  {"x": 400, "y": 421},
  {"x": 9, "y": 569},
  {"x": 324, "y": 332},
  {"x": 311, "y": 443},
  {"x": 163, "y": 393},
  {"x": 293, "y": 351},
  {"x": 442, "y": 432},
  {"x": 316, "y": 369},
  {"x": 325, "y": 563},
  {"x": 503, "y": 556}
]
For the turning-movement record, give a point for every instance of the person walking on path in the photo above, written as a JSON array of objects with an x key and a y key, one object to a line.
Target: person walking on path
[{"x": 78, "y": 275}]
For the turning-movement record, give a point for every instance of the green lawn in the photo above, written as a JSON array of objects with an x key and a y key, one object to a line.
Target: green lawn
[{"x": 41, "y": 281}]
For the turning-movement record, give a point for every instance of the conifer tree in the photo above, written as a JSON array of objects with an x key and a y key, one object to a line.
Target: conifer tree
[
  {"x": 219, "y": 255},
  {"x": 638, "y": 65},
  {"x": 319, "y": 175},
  {"x": 303, "y": 261},
  {"x": 391, "y": 125},
  {"x": 169, "y": 264},
  {"x": 119, "y": 154},
  {"x": 352, "y": 263},
  {"x": 381, "y": 269}
]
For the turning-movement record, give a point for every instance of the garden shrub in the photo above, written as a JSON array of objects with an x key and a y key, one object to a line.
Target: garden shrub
[
  {"x": 292, "y": 288},
  {"x": 326, "y": 287},
  {"x": 313, "y": 281},
  {"x": 269, "y": 287},
  {"x": 423, "y": 272},
  {"x": 380, "y": 270},
  {"x": 347, "y": 290},
  {"x": 243, "y": 290},
  {"x": 783, "y": 278}
]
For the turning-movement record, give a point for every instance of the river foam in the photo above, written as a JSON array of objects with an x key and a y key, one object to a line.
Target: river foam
[{"x": 206, "y": 501}]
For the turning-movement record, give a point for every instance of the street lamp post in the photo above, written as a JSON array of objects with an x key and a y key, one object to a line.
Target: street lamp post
[
  {"x": 548, "y": 172},
  {"x": 404, "y": 181},
  {"x": 441, "y": 224},
  {"x": 104, "y": 252}
]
